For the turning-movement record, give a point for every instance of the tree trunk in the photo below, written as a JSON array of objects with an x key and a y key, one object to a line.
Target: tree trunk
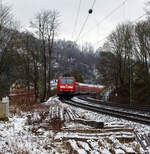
[
  {"x": 50, "y": 63},
  {"x": 44, "y": 73}
]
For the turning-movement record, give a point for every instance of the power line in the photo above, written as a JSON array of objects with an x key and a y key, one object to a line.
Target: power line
[
  {"x": 76, "y": 20},
  {"x": 82, "y": 27},
  {"x": 107, "y": 16},
  {"x": 133, "y": 21},
  {"x": 139, "y": 17},
  {"x": 101, "y": 40},
  {"x": 93, "y": 4},
  {"x": 85, "y": 22}
]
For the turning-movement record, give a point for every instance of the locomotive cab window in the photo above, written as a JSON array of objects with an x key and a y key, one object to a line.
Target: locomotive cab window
[
  {"x": 66, "y": 81},
  {"x": 69, "y": 81},
  {"x": 63, "y": 81}
]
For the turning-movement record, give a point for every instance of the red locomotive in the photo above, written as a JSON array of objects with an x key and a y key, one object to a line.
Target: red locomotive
[{"x": 67, "y": 87}]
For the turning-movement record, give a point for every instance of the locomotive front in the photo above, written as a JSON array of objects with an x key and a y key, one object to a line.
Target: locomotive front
[{"x": 66, "y": 86}]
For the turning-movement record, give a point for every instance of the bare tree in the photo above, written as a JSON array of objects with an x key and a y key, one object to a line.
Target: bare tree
[
  {"x": 142, "y": 47},
  {"x": 8, "y": 34},
  {"x": 29, "y": 56},
  {"x": 39, "y": 24},
  {"x": 46, "y": 24},
  {"x": 7, "y": 28},
  {"x": 147, "y": 9},
  {"x": 105, "y": 67},
  {"x": 121, "y": 42},
  {"x": 6, "y": 18},
  {"x": 52, "y": 28}
]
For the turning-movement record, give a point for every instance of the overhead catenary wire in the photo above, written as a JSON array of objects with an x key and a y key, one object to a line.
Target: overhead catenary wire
[
  {"x": 137, "y": 19},
  {"x": 77, "y": 17},
  {"x": 85, "y": 22},
  {"x": 107, "y": 16}
]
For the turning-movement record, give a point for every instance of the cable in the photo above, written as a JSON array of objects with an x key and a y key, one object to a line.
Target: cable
[
  {"x": 100, "y": 40},
  {"x": 107, "y": 16},
  {"x": 84, "y": 22},
  {"x": 76, "y": 20},
  {"x": 139, "y": 17},
  {"x": 93, "y": 4},
  {"x": 82, "y": 27},
  {"x": 133, "y": 21}
]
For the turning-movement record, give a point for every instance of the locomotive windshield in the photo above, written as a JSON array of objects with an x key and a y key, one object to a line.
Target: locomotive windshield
[{"x": 66, "y": 81}]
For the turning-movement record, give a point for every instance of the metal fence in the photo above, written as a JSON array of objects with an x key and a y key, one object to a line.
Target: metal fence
[{"x": 22, "y": 96}]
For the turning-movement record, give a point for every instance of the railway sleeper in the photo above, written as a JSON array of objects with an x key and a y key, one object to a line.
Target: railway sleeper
[{"x": 91, "y": 123}]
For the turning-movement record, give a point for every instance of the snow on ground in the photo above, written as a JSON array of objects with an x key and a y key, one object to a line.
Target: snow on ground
[{"x": 55, "y": 127}]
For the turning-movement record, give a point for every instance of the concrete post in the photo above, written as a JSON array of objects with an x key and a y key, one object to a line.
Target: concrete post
[{"x": 4, "y": 107}]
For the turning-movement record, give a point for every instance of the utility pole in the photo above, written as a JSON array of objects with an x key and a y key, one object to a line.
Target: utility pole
[
  {"x": 1, "y": 11},
  {"x": 131, "y": 79},
  {"x": 1, "y": 4},
  {"x": 131, "y": 85},
  {"x": 40, "y": 84},
  {"x": 1, "y": 14}
]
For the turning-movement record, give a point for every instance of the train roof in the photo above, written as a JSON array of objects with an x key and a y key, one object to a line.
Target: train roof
[{"x": 67, "y": 77}]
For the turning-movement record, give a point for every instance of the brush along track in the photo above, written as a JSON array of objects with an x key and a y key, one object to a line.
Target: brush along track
[{"x": 112, "y": 112}]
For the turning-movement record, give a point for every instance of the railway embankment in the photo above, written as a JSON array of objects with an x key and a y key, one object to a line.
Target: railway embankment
[{"x": 56, "y": 127}]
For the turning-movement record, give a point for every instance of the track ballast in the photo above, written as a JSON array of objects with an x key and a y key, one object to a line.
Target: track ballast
[{"x": 139, "y": 118}]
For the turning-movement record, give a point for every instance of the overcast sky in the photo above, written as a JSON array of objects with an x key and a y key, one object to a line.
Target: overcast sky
[{"x": 25, "y": 10}]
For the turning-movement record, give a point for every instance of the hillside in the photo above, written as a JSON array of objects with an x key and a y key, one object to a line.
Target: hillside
[{"x": 68, "y": 56}]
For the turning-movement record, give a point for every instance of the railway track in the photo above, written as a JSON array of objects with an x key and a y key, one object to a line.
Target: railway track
[
  {"x": 142, "y": 139},
  {"x": 112, "y": 112},
  {"x": 144, "y": 109}
]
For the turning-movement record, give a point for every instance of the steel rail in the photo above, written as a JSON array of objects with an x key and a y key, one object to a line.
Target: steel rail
[
  {"x": 119, "y": 114},
  {"x": 135, "y": 108}
]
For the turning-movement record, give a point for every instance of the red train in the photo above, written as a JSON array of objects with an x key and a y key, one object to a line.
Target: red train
[{"x": 68, "y": 87}]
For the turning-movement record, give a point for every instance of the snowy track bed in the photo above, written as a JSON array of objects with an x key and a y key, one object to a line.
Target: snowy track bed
[
  {"x": 143, "y": 110},
  {"x": 55, "y": 127},
  {"x": 110, "y": 110}
]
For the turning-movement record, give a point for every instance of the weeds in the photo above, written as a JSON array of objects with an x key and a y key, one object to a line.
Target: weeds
[
  {"x": 41, "y": 121},
  {"x": 12, "y": 147}
]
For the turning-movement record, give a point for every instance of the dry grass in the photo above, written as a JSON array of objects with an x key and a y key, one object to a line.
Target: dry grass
[
  {"x": 41, "y": 117},
  {"x": 42, "y": 123},
  {"x": 17, "y": 109}
]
